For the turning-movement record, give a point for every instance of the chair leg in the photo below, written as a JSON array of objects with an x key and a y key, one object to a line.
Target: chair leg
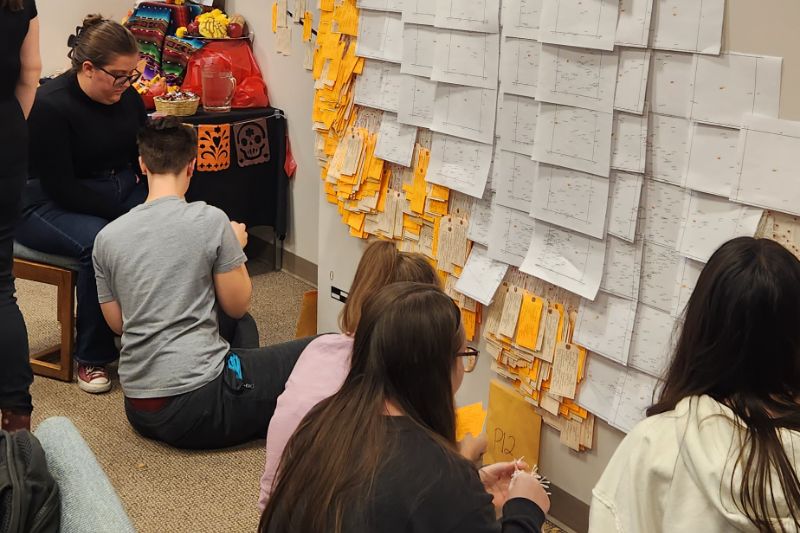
[
  {"x": 64, "y": 280},
  {"x": 66, "y": 315}
]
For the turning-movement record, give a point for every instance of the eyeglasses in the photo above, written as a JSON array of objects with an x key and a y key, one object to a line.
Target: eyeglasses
[
  {"x": 121, "y": 79},
  {"x": 470, "y": 358}
]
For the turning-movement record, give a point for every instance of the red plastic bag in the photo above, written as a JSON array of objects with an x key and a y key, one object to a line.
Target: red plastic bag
[{"x": 236, "y": 56}]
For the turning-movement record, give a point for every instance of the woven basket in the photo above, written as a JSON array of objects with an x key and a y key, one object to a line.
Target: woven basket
[{"x": 177, "y": 108}]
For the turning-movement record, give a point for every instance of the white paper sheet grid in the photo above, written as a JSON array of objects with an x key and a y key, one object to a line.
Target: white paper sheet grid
[
  {"x": 574, "y": 138},
  {"x": 395, "y": 6},
  {"x": 652, "y": 341},
  {"x": 459, "y": 164},
  {"x": 633, "y": 25},
  {"x": 481, "y": 276},
  {"x": 395, "y": 141},
  {"x": 685, "y": 281},
  {"x": 727, "y": 87},
  {"x": 579, "y": 77},
  {"x": 623, "y": 268},
  {"x": 566, "y": 259},
  {"x": 670, "y": 83},
  {"x": 468, "y": 15},
  {"x": 571, "y": 199},
  {"x": 587, "y": 23},
  {"x": 467, "y": 112},
  {"x": 712, "y": 162},
  {"x": 380, "y": 36},
  {"x": 632, "y": 75},
  {"x": 614, "y": 393},
  {"x": 624, "y": 192},
  {"x": 769, "y": 165},
  {"x": 514, "y": 180},
  {"x": 659, "y": 271},
  {"x": 688, "y": 25},
  {"x": 516, "y": 123},
  {"x": 521, "y": 18},
  {"x": 519, "y": 66},
  {"x": 668, "y": 148},
  {"x": 710, "y": 221},
  {"x": 510, "y": 235},
  {"x": 663, "y": 212},
  {"x": 416, "y": 101},
  {"x": 605, "y": 326},
  {"x": 467, "y": 58},
  {"x": 419, "y": 12},
  {"x": 629, "y": 142},
  {"x": 418, "y": 42},
  {"x": 378, "y": 86},
  {"x": 637, "y": 394},
  {"x": 480, "y": 218},
  {"x": 604, "y": 381}
]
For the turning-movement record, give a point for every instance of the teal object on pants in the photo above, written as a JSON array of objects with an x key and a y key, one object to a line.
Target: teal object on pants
[{"x": 88, "y": 500}]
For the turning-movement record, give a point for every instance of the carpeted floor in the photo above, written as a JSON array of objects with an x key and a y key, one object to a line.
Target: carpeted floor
[{"x": 163, "y": 489}]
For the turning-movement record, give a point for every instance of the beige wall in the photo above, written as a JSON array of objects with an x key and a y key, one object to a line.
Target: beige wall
[
  {"x": 58, "y": 19},
  {"x": 769, "y": 27},
  {"x": 291, "y": 88}
]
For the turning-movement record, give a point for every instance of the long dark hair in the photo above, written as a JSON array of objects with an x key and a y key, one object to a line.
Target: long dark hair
[
  {"x": 740, "y": 344},
  {"x": 11, "y": 5},
  {"x": 404, "y": 351}
]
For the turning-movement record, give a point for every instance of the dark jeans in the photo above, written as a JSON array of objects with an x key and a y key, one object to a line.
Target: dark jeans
[
  {"x": 15, "y": 369},
  {"x": 54, "y": 230},
  {"x": 233, "y": 408}
]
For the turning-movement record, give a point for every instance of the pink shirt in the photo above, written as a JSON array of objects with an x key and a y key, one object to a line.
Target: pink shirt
[{"x": 318, "y": 374}]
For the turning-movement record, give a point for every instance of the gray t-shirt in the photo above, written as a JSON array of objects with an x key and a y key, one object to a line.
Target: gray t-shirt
[{"x": 158, "y": 262}]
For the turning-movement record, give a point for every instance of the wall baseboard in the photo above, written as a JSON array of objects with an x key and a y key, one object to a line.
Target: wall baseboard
[
  {"x": 260, "y": 249},
  {"x": 302, "y": 268},
  {"x": 569, "y": 510}
]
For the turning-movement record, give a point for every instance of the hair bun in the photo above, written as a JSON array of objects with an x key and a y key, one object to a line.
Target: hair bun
[{"x": 92, "y": 20}]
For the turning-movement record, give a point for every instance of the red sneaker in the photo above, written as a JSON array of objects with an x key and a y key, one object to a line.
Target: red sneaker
[{"x": 93, "y": 379}]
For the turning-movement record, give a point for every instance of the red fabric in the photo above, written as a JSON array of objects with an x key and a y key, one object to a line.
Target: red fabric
[
  {"x": 236, "y": 57},
  {"x": 290, "y": 165}
]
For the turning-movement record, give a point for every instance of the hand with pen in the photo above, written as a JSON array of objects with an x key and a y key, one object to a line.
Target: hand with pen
[{"x": 512, "y": 480}]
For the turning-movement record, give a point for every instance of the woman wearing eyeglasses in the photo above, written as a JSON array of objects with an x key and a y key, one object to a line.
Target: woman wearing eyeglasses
[
  {"x": 83, "y": 154},
  {"x": 380, "y": 454},
  {"x": 380, "y": 265}
]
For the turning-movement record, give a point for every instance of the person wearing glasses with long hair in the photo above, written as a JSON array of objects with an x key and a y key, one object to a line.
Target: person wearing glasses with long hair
[
  {"x": 83, "y": 158},
  {"x": 720, "y": 449},
  {"x": 380, "y": 265},
  {"x": 21, "y": 65},
  {"x": 380, "y": 454}
]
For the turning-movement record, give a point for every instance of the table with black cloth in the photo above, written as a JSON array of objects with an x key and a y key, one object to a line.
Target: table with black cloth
[{"x": 253, "y": 187}]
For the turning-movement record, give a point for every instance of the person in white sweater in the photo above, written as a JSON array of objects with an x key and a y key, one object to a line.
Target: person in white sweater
[{"x": 720, "y": 449}]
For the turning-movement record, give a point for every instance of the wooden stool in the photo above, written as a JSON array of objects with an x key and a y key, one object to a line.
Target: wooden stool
[{"x": 56, "y": 361}]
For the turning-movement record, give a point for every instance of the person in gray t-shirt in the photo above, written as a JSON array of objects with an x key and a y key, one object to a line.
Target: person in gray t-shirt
[{"x": 163, "y": 272}]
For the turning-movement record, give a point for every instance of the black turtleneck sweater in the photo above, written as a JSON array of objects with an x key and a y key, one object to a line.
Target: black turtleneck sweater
[{"x": 74, "y": 139}]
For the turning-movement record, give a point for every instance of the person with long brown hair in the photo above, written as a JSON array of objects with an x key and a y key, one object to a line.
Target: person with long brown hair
[
  {"x": 719, "y": 449},
  {"x": 380, "y": 454},
  {"x": 380, "y": 265},
  {"x": 21, "y": 65},
  {"x": 83, "y": 171}
]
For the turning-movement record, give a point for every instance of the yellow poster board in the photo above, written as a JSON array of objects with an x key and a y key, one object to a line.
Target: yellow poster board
[{"x": 513, "y": 428}]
